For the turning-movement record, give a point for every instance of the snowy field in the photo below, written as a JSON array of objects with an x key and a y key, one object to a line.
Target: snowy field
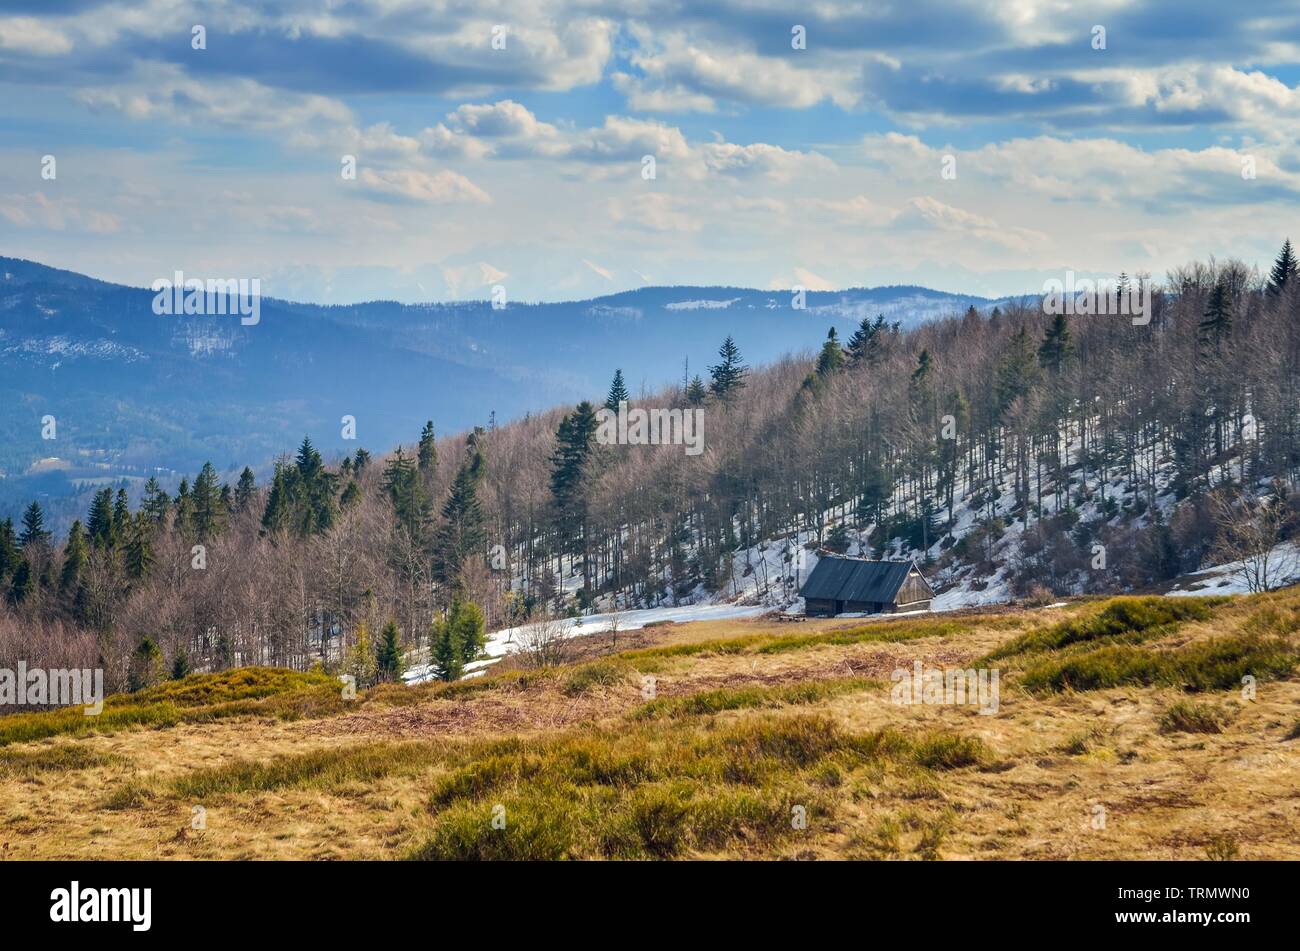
[
  {"x": 1283, "y": 569},
  {"x": 507, "y": 641}
]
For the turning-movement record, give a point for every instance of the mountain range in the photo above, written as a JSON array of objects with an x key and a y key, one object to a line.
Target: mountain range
[{"x": 134, "y": 394}]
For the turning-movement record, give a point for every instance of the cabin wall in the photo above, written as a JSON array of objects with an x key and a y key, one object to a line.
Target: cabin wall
[
  {"x": 819, "y": 607},
  {"x": 913, "y": 590}
]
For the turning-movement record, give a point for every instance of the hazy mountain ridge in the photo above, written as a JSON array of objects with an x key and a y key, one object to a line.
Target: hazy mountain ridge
[{"x": 134, "y": 393}]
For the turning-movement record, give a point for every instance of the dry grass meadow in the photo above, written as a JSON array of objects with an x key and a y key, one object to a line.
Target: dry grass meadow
[{"x": 1122, "y": 732}]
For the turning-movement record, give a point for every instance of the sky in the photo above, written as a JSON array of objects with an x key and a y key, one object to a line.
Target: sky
[{"x": 565, "y": 149}]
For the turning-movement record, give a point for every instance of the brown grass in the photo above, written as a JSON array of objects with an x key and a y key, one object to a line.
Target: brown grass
[{"x": 360, "y": 779}]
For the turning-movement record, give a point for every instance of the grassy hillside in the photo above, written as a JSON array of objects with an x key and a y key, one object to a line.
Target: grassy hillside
[{"x": 1122, "y": 732}]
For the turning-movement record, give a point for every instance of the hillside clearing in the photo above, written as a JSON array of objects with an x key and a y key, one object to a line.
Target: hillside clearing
[{"x": 752, "y": 728}]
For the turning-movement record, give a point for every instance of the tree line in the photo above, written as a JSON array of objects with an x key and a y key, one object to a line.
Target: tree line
[{"x": 1070, "y": 433}]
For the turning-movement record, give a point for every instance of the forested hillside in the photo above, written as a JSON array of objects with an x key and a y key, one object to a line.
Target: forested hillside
[{"x": 1016, "y": 445}]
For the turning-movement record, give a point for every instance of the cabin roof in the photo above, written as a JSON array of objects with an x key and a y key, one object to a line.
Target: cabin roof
[{"x": 841, "y": 578}]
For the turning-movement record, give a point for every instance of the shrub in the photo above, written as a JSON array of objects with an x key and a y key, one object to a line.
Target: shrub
[
  {"x": 1218, "y": 663},
  {"x": 602, "y": 673},
  {"x": 1189, "y": 717},
  {"x": 1129, "y": 620}
]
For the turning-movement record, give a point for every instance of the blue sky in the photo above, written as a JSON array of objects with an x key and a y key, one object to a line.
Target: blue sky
[{"x": 522, "y": 166}]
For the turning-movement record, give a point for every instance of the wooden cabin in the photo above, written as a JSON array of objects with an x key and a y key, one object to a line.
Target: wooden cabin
[{"x": 844, "y": 585}]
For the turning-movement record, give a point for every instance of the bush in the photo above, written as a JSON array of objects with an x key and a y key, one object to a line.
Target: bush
[
  {"x": 1218, "y": 663},
  {"x": 1128, "y": 620},
  {"x": 602, "y": 673},
  {"x": 1188, "y": 717}
]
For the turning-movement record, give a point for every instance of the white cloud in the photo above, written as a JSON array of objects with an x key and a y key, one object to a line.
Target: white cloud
[
  {"x": 29, "y": 35},
  {"x": 436, "y": 188}
]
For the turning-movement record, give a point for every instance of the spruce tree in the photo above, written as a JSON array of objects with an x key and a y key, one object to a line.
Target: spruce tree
[
  {"x": 728, "y": 377},
  {"x": 139, "y": 547},
  {"x": 146, "y": 666},
  {"x": 1056, "y": 347},
  {"x": 864, "y": 345},
  {"x": 696, "y": 392},
  {"x": 9, "y": 553},
  {"x": 245, "y": 489},
  {"x": 121, "y": 513},
  {"x": 101, "y": 525},
  {"x": 388, "y": 660},
  {"x": 831, "y": 357},
  {"x": 20, "y": 588},
  {"x": 183, "y": 511},
  {"x": 351, "y": 494},
  {"x": 573, "y": 448},
  {"x": 1284, "y": 269},
  {"x": 402, "y": 484},
  {"x": 209, "y": 511},
  {"x": 461, "y": 533},
  {"x": 617, "y": 392},
  {"x": 314, "y": 513},
  {"x": 427, "y": 454},
  {"x": 1217, "y": 325},
  {"x": 155, "y": 503},
  {"x": 467, "y": 621},
  {"x": 75, "y": 553},
  {"x": 277, "y": 515},
  {"x": 446, "y": 652},
  {"x": 1019, "y": 371},
  {"x": 34, "y": 531}
]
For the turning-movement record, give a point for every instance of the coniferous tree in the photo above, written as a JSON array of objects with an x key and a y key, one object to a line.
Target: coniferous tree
[
  {"x": 316, "y": 503},
  {"x": 245, "y": 489},
  {"x": 155, "y": 503},
  {"x": 75, "y": 553},
  {"x": 101, "y": 525},
  {"x": 277, "y": 514},
  {"x": 146, "y": 666},
  {"x": 34, "y": 530},
  {"x": 209, "y": 511},
  {"x": 568, "y": 493},
  {"x": 183, "y": 511},
  {"x": 180, "y": 666},
  {"x": 831, "y": 357},
  {"x": 20, "y": 588},
  {"x": 728, "y": 377},
  {"x": 446, "y": 653},
  {"x": 1284, "y": 269},
  {"x": 351, "y": 494},
  {"x": 1056, "y": 347},
  {"x": 388, "y": 660},
  {"x": 9, "y": 553},
  {"x": 121, "y": 513},
  {"x": 467, "y": 619},
  {"x": 617, "y": 392},
  {"x": 1018, "y": 372},
  {"x": 360, "y": 459},
  {"x": 1216, "y": 326},
  {"x": 401, "y": 483},
  {"x": 361, "y": 661},
  {"x": 864, "y": 345},
  {"x": 696, "y": 392},
  {"x": 427, "y": 453},
  {"x": 139, "y": 547},
  {"x": 461, "y": 532}
]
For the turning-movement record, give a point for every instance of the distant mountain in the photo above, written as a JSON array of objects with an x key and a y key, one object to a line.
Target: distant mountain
[{"x": 134, "y": 393}]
